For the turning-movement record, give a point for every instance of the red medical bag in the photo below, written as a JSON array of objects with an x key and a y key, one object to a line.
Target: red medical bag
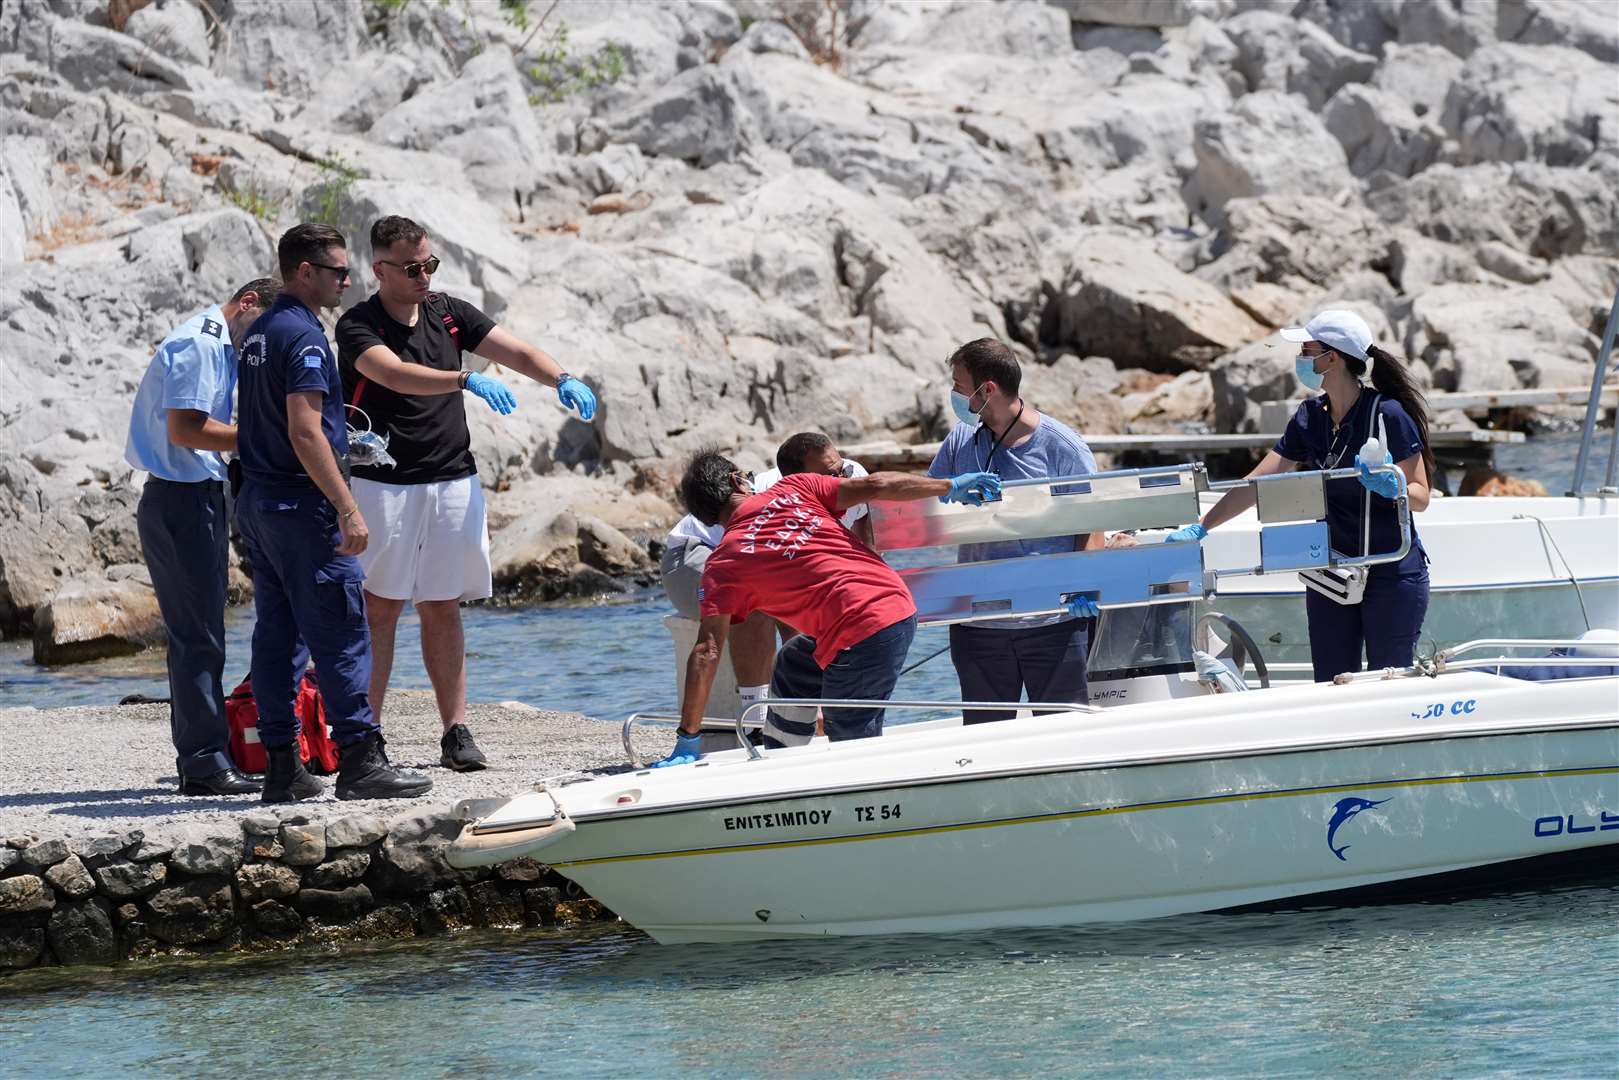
[{"x": 315, "y": 745}]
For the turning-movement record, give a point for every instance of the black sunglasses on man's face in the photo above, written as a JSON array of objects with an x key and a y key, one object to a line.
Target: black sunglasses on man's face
[
  {"x": 428, "y": 266},
  {"x": 342, "y": 272}
]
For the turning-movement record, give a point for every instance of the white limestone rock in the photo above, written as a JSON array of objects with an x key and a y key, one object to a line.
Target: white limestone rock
[
  {"x": 1380, "y": 133},
  {"x": 1269, "y": 143},
  {"x": 1124, "y": 301},
  {"x": 1418, "y": 75},
  {"x": 1275, "y": 52},
  {"x": 1533, "y": 103},
  {"x": 175, "y": 29},
  {"x": 1587, "y": 25}
]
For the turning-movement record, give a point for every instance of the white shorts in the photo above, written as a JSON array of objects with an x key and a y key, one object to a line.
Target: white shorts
[{"x": 428, "y": 541}]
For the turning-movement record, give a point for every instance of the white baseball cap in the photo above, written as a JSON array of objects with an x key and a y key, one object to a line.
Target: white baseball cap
[{"x": 1340, "y": 330}]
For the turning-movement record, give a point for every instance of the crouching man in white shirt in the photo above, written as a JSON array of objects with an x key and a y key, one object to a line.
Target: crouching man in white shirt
[{"x": 690, "y": 542}]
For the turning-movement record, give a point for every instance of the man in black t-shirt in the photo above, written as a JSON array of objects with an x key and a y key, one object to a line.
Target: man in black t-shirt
[{"x": 400, "y": 356}]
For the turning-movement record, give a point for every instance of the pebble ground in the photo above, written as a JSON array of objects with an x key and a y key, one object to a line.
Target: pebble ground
[{"x": 92, "y": 771}]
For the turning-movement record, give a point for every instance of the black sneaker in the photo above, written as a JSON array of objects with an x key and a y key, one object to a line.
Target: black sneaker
[{"x": 460, "y": 752}]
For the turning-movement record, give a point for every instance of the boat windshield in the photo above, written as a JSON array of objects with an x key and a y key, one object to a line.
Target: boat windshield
[{"x": 1135, "y": 641}]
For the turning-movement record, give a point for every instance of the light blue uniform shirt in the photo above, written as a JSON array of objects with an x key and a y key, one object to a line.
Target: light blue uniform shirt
[
  {"x": 194, "y": 368},
  {"x": 1053, "y": 450}
]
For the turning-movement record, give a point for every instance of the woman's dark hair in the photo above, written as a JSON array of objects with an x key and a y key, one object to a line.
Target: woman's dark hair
[
  {"x": 706, "y": 486},
  {"x": 1391, "y": 379}
]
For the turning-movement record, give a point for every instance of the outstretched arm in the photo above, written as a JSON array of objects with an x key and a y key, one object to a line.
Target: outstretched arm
[
  {"x": 508, "y": 350},
  {"x": 1235, "y": 501},
  {"x": 889, "y": 487},
  {"x": 701, "y": 665},
  {"x": 533, "y": 361}
]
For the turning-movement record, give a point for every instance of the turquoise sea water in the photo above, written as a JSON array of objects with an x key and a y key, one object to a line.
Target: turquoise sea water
[{"x": 1508, "y": 985}]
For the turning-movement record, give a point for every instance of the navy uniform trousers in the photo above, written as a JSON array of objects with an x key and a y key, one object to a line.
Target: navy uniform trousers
[
  {"x": 1386, "y": 624},
  {"x": 303, "y": 588},
  {"x": 184, "y": 535},
  {"x": 996, "y": 664}
]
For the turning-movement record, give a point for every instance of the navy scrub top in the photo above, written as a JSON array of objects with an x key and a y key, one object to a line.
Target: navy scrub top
[{"x": 1311, "y": 440}]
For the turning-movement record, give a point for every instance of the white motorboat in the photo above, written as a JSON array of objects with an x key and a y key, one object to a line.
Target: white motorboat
[
  {"x": 1132, "y": 812},
  {"x": 1189, "y": 796}
]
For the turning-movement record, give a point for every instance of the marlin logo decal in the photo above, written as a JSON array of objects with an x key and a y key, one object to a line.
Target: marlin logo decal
[{"x": 1342, "y": 812}]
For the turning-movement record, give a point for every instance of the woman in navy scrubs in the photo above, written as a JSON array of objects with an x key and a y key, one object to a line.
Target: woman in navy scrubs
[{"x": 1327, "y": 431}]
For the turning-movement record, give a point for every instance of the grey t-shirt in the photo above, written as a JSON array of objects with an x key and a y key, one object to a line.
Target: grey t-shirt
[{"x": 1053, "y": 449}]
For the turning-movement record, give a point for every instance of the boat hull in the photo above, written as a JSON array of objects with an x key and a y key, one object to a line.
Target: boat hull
[{"x": 1099, "y": 844}]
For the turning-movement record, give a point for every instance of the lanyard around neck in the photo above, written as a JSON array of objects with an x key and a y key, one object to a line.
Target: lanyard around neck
[{"x": 996, "y": 445}]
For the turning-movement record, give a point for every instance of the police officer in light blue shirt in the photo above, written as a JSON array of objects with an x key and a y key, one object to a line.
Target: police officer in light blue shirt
[
  {"x": 179, "y": 430},
  {"x": 303, "y": 530},
  {"x": 1044, "y": 655}
]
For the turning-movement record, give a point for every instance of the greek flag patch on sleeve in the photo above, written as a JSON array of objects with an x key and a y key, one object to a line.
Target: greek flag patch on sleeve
[{"x": 314, "y": 357}]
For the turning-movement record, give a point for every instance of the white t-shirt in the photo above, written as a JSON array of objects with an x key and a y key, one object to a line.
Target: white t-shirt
[
  {"x": 851, "y": 470},
  {"x": 689, "y": 529}
]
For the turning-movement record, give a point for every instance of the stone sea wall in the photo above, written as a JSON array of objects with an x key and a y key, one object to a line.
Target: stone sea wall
[{"x": 276, "y": 880}]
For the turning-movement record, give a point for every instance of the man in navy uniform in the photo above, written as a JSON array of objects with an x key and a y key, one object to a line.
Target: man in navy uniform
[
  {"x": 179, "y": 430},
  {"x": 304, "y": 530}
]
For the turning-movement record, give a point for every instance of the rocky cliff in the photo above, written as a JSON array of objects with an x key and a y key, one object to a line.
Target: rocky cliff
[{"x": 740, "y": 219}]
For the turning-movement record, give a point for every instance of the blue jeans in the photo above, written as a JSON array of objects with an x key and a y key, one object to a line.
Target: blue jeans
[
  {"x": 303, "y": 588},
  {"x": 867, "y": 669},
  {"x": 1386, "y": 623}
]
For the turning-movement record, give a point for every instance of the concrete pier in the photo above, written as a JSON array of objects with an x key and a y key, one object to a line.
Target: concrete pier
[{"x": 102, "y": 861}]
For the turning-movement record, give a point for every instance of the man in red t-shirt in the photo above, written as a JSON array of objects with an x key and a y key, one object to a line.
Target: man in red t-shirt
[{"x": 785, "y": 552}]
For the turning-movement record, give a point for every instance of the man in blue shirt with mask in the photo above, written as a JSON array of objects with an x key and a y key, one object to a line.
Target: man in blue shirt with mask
[
  {"x": 179, "y": 429},
  {"x": 304, "y": 530},
  {"x": 998, "y": 659}
]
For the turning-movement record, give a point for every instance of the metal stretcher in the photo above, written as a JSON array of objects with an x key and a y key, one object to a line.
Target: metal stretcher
[{"x": 1292, "y": 511}]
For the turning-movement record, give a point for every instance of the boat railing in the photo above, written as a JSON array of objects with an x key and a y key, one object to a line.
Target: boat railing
[
  {"x": 754, "y": 753},
  {"x": 1593, "y": 410},
  {"x": 1446, "y": 660},
  {"x": 743, "y": 726},
  {"x": 667, "y": 719}
]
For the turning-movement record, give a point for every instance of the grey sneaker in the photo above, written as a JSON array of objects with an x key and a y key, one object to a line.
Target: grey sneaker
[{"x": 460, "y": 752}]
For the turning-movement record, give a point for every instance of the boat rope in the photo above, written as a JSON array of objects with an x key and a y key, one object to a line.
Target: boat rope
[
  {"x": 1573, "y": 579},
  {"x": 922, "y": 661}
]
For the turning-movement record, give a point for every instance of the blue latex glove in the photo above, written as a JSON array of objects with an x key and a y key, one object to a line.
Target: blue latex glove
[
  {"x": 1083, "y": 607},
  {"x": 1384, "y": 484},
  {"x": 974, "y": 489},
  {"x": 492, "y": 391},
  {"x": 685, "y": 752},
  {"x": 1194, "y": 531},
  {"x": 577, "y": 396}
]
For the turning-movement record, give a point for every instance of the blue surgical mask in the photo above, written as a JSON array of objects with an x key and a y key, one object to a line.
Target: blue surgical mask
[
  {"x": 1304, "y": 366},
  {"x": 961, "y": 405}
]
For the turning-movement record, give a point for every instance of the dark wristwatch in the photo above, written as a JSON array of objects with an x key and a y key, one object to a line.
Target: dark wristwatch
[
  {"x": 465, "y": 375},
  {"x": 562, "y": 377}
]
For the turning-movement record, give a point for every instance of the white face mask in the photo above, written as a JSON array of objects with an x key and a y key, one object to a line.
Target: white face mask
[{"x": 961, "y": 405}]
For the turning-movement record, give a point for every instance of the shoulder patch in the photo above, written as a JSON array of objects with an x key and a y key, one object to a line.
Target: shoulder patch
[
  {"x": 313, "y": 356},
  {"x": 212, "y": 328}
]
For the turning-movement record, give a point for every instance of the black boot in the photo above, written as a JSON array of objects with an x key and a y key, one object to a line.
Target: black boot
[
  {"x": 285, "y": 778},
  {"x": 364, "y": 773}
]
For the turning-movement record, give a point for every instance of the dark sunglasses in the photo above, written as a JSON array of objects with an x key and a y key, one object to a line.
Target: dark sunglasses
[
  {"x": 416, "y": 269},
  {"x": 342, "y": 272}
]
